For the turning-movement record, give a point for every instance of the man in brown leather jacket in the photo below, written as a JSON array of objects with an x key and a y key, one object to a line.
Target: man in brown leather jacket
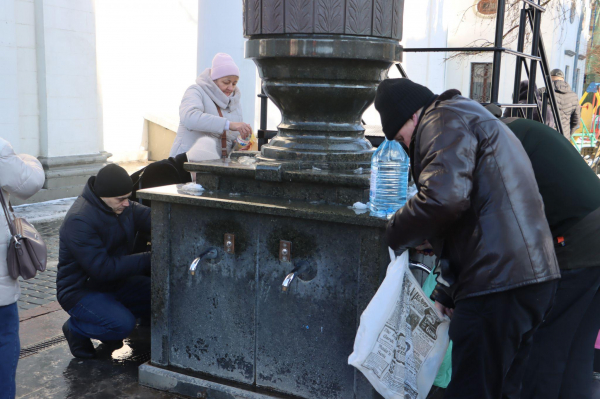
[{"x": 479, "y": 206}]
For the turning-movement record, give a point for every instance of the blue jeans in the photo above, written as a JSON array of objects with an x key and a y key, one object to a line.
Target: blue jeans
[
  {"x": 110, "y": 316},
  {"x": 10, "y": 347}
]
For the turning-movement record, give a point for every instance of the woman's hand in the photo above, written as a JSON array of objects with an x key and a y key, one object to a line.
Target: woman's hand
[{"x": 244, "y": 129}]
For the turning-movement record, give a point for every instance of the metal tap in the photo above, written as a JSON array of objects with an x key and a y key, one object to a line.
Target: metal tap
[
  {"x": 287, "y": 282},
  {"x": 210, "y": 253},
  {"x": 301, "y": 267}
]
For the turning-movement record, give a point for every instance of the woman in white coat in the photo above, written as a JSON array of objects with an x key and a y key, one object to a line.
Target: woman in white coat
[
  {"x": 22, "y": 176},
  {"x": 209, "y": 107}
]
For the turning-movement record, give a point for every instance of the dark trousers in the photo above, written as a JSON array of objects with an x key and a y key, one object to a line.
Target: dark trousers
[
  {"x": 562, "y": 356},
  {"x": 110, "y": 316},
  {"x": 491, "y": 337},
  {"x": 9, "y": 349}
]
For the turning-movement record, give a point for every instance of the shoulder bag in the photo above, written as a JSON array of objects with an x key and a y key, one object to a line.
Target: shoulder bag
[{"x": 26, "y": 250}]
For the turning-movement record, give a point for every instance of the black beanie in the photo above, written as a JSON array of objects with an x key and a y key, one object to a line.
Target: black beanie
[
  {"x": 397, "y": 100},
  {"x": 112, "y": 181}
]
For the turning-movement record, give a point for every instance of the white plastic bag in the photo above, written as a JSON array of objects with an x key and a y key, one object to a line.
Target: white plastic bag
[{"x": 402, "y": 338}]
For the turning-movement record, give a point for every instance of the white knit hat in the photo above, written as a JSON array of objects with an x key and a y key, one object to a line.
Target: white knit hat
[{"x": 223, "y": 65}]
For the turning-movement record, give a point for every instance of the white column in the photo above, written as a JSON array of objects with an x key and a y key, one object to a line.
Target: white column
[
  {"x": 67, "y": 81},
  {"x": 9, "y": 92},
  {"x": 57, "y": 92},
  {"x": 220, "y": 30},
  {"x": 27, "y": 77}
]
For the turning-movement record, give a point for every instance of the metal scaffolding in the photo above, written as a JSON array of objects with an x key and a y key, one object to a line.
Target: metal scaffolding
[{"x": 531, "y": 14}]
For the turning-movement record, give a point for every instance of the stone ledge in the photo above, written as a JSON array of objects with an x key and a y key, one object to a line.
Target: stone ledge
[
  {"x": 316, "y": 210},
  {"x": 171, "y": 381},
  {"x": 66, "y": 176}
]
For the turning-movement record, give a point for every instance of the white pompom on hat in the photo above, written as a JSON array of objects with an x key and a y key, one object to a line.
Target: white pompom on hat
[{"x": 223, "y": 65}]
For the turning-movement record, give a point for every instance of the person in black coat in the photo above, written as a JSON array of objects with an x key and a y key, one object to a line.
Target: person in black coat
[
  {"x": 161, "y": 173},
  {"x": 101, "y": 283},
  {"x": 561, "y": 361}
]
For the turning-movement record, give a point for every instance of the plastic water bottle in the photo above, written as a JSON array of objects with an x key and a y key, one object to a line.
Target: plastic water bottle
[{"x": 389, "y": 179}]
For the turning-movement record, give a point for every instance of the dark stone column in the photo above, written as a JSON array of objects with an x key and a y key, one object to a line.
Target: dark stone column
[{"x": 321, "y": 62}]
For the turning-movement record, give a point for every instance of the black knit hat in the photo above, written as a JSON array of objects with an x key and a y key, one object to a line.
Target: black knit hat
[
  {"x": 112, "y": 181},
  {"x": 397, "y": 100}
]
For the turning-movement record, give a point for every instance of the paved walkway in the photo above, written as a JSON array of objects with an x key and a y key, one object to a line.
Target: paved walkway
[
  {"x": 41, "y": 289},
  {"x": 46, "y": 367}
]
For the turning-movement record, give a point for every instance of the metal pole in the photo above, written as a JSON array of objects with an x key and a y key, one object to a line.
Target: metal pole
[
  {"x": 531, "y": 94},
  {"x": 544, "y": 106},
  {"x": 262, "y": 133},
  {"x": 520, "y": 48},
  {"x": 498, "y": 53},
  {"x": 575, "y": 74},
  {"x": 263, "y": 109},
  {"x": 547, "y": 80},
  {"x": 401, "y": 70}
]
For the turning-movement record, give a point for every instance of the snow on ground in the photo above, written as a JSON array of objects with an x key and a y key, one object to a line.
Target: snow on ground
[
  {"x": 49, "y": 211},
  {"x": 43, "y": 212}
]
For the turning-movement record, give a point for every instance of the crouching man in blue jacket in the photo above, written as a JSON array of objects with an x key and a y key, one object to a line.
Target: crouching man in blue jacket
[{"x": 101, "y": 283}]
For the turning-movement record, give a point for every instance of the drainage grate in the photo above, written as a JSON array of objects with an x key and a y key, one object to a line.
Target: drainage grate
[
  {"x": 40, "y": 346},
  {"x": 141, "y": 358}
]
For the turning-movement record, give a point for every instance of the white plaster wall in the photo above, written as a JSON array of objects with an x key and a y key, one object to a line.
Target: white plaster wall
[
  {"x": 66, "y": 70},
  {"x": 564, "y": 38},
  {"x": 220, "y": 30},
  {"x": 29, "y": 139},
  {"x": 464, "y": 26},
  {"x": 9, "y": 90},
  {"x": 146, "y": 60},
  {"x": 425, "y": 25}
]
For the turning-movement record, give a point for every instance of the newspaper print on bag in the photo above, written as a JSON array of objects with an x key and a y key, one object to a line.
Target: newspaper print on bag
[{"x": 406, "y": 341}]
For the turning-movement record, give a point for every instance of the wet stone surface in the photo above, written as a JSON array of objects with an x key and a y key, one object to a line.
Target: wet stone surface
[{"x": 54, "y": 373}]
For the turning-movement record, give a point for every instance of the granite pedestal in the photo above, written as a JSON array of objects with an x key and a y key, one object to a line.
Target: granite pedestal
[{"x": 230, "y": 331}]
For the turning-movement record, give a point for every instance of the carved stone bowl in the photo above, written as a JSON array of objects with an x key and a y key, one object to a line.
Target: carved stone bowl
[{"x": 321, "y": 62}]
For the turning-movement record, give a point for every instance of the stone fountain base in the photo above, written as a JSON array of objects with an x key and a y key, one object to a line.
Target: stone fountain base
[{"x": 230, "y": 331}]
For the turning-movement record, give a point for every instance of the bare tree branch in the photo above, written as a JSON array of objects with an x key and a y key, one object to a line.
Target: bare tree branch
[{"x": 512, "y": 20}]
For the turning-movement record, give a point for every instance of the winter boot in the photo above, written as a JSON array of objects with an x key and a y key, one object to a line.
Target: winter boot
[{"x": 79, "y": 345}]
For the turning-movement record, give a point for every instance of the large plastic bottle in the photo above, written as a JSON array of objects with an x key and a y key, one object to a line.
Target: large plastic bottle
[{"x": 389, "y": 179}]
